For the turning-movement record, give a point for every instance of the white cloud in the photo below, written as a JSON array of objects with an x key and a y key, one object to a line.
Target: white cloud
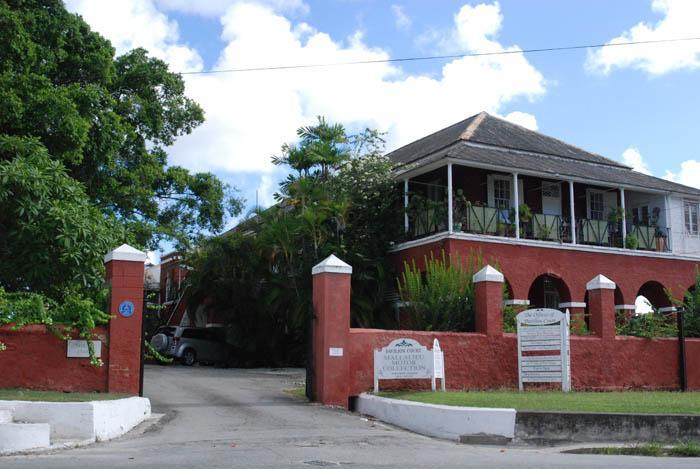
[
  {"x": 249, "y": 115},
  {"x": 689, "y": 174},
  {"x": 679, "y": 20},
  {"x": 134, "y": 23},
  {"x": 632, "y": 158},
  {"x": 522, "y": 118},
  {"x": 402, "y": 21}
]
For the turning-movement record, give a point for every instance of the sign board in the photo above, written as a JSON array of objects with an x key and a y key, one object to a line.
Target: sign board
[
  {"x": 79, "y": 348},
  {"x": 544, "y": 330},
  {"x": 126, "y": 308},
  {"x": 405, "y": 359},
  {"x": 335, "y": 351},
  {"x": 438, "y": 365}
]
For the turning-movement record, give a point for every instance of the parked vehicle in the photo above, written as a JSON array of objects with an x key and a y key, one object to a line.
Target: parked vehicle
[{"x": 193, "y": 344}]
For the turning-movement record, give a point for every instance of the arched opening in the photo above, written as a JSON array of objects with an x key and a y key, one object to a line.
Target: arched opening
[
  {"x": 548, "y": 291},
  {"x": 619, "y": 297},
  {"x": 651, "y": 296}
]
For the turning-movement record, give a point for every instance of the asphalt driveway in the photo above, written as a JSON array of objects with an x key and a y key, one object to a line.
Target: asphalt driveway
[{"x": 243, "y": 418}]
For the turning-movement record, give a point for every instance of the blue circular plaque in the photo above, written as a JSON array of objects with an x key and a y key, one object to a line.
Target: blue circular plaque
[{"x": 126, "y": 308}]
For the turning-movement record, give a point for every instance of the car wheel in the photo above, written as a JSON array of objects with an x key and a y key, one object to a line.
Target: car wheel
[
  {"x": 189, "y": 358},
  {"x": 159, "y": 342}
]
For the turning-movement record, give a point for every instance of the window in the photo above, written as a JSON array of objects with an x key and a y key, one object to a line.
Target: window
[
  {"x": 690, "y": 212},
  {"x": 640, "y": 215},
  {"x": 551, "y": 189},
  {"x": 501, "y": 193},
  {"x": 596, "y": 205}
]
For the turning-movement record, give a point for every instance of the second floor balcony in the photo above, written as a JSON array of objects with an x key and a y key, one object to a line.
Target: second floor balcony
[{"x": 482, "y": 202}]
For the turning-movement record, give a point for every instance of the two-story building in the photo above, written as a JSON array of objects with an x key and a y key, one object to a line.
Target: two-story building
[{"x": 550, "y": 214}]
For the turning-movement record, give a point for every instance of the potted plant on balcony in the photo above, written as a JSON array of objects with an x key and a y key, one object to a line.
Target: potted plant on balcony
[
  {"x": 524, "y": 216},
  {"x": 460, "y": 209},
  {"x": 631, "y": 241},
  {"x": 659, "y": 234}
]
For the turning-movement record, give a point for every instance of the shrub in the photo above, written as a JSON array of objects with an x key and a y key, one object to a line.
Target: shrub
[{"x": 442, "y": 299}]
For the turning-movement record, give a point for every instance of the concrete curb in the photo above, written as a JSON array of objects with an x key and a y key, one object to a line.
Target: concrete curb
[
  {"x": 23, "y": 436},
  {"x": 80, "y": 421},
  {"x": 467, "y": 424}
]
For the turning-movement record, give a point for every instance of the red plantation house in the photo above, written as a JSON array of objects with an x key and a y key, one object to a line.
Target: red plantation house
[{"x": 580, "y": 215}]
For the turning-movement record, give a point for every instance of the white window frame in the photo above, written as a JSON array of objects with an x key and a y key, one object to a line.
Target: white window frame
[
  {"x": 589, "y": 192},
  {"x": 491, "y": 200},
  {"x": 689, "y": 217}
]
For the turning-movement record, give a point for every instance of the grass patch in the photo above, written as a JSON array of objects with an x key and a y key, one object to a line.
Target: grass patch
[
  {"x": 641, "y": 402},
  {"x": 683, "y": 450},
  {"x": 56, "y": 396},
  {"x": 299, "y": 393}
]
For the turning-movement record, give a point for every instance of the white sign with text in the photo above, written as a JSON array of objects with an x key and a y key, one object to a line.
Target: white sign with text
[
  {"x": 79, "y": 349},
  {"x": 544, "y": 330},
  {"x": 407, "y": 359}
]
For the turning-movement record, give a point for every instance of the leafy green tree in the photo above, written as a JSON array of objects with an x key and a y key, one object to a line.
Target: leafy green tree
[
  {"x": 339, "y": 199},
  {"x": 108, "y": 120},
  {"x": 52, "y": 238}
]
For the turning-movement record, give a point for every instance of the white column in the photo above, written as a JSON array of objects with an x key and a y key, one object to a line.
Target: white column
[
  {"x": 405, "y": 205},
  {"x": 449, "y": 197},
  {"x": 624, "y": 216},
  {"x": 516, "y": 199},
  {"x": 571, "y": 210},
  {"x": 667, "y": 219}
]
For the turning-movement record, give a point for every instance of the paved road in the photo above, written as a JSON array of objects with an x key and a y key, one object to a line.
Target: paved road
[{"x": 243, "y": 418}]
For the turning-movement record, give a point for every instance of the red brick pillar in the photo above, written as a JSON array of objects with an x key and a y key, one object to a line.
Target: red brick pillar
[
  {"x": 601, "y": 306},
  {"x": 124, "y": 275},
  {"x": 331, "y": 298},
  {"x": 488, "y": 283}
]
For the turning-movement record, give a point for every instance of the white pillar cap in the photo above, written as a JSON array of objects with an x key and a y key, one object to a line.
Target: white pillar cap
[
  {"x": 488, "y": 274},
  {"x": 333, "y": 265},
  {"x": 126, "y": 253},
  {"x": 599, "y": 282}
]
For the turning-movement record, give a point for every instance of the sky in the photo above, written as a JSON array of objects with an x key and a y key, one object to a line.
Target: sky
[{"x": 636, "y": 104}]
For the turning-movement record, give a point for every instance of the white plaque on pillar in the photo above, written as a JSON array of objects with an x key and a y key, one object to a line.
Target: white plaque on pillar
[
  {"x": 335, "y": 351},
  {"x": 79, "y": 348}
]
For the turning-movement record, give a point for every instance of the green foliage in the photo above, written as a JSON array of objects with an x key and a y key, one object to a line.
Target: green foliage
[
  {"x": 631, "y": 241},
  {"x": 648, "y": 325},
  {"x": 442, "y": 299},
  {"x": 340, "y": 198},
  {"x": 578, "y": 325},
  {"x": 153, "y": 354},
  {"x": 53, "y": 239},
  {"x": 74, "y": 313},
  {"x": 107, "y": 120},
  {"x": 689, "y": 306},
  {"x": 510, "y": 323}
]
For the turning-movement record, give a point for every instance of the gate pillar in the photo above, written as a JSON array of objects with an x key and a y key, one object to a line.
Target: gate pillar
[
  {"x": 124, "y": 275},
  {"x": 331, "y": 302}
]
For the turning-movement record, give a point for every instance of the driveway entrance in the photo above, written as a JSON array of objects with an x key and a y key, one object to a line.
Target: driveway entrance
[{"x": 243, "y": 418}]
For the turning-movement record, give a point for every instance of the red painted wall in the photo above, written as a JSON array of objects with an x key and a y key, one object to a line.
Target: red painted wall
[
  {"x": 36, "y": 359},
  {"x": 477, "y": 361},
  {"x": 521, "y": 265}
]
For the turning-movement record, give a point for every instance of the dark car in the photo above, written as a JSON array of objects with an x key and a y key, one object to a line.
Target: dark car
[{"x": 193, "y": 344}]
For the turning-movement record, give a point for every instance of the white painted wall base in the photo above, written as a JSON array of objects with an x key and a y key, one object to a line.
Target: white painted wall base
[
  {"x": 23, "y": 436},
  {"x": 441, "y": 421},
  {"x": 95, "y": 420}
]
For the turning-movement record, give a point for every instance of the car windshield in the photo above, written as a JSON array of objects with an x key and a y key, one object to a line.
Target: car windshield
[{"x": 169, "y": 331}]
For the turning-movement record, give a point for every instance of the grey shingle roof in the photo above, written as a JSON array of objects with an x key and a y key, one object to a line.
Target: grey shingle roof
[{"x": 489, "y": 140}]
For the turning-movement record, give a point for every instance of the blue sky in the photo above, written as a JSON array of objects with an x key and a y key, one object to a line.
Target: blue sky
[{"x": 639, "y": 101}]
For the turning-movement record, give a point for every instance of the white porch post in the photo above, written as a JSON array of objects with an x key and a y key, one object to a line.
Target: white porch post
[
  {"x": 571, "y": 210},
  {"x": 405, "y": 205},
  {"x": 667, "y": 219},
  {"x": 449, "y": 197},
  {"x": 516, "y": 199},
  {"x": 624, "y": 216}
]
